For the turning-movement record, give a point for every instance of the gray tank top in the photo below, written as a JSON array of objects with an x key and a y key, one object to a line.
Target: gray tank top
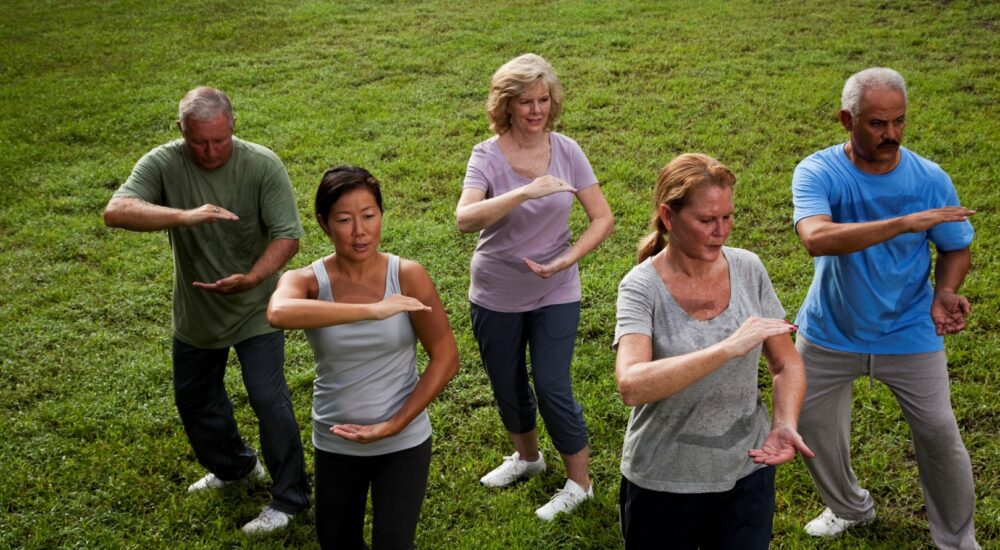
[{"x": 364, "y": 373}]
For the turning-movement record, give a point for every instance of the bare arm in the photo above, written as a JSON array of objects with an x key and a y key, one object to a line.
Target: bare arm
[
  {"x": 136, "y": 214},
  {"x": 644, "y": 380},
  {"x": 824, "y": 237},
  {"x": 788, "y": 387},
  {"x": 276, "y": 255},
  {"x": 950, "y": 309},
  {"x": 602, "y": 225},
  {"x": 788, "y": 375},
  {"x": 435, "y": 335},
  {"x": 475, "y": 212},
  {"x": 294, "y": 305}
]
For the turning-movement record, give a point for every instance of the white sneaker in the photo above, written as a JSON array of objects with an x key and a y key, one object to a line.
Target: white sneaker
[
  {"x": 212, "y": 482},
  {"x": 268, "y": 520},
  {"x": 829, "y": 524},
  {"x": 568, "y": 498},
  {"x": 513, "y": 469}
]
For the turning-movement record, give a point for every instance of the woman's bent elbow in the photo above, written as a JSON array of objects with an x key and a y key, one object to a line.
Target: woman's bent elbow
[
  {"x": 627, "y": 392},
  {"x": 275, "y": 317},
  {"x": 465, "y": 225}
]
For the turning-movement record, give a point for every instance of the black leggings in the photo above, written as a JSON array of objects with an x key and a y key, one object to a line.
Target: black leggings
[{"x": 398, "y": 482}]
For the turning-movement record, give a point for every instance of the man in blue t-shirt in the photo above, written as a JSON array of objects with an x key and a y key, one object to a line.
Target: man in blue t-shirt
[{"x": 867, "y": 211}]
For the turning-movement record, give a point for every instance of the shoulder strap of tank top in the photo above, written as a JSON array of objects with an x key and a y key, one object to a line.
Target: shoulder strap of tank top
[
  {"x": 319, "y": 269},
  {"x": 392, "y": 276}
]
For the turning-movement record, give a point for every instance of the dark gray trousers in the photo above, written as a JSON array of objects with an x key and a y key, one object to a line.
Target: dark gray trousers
[{"x": 207, "y": 415}]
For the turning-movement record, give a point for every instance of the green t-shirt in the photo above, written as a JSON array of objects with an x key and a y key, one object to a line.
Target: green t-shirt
[{"x": 253, "y": 185}]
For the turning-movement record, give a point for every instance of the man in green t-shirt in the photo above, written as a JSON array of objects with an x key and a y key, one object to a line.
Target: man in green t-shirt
[{"x": 230, "y": 214}]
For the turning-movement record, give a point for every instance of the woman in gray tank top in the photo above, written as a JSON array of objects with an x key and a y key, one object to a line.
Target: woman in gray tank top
[
  {"x": 363, "y": 311},
  {"x": 693, "y": 317}
]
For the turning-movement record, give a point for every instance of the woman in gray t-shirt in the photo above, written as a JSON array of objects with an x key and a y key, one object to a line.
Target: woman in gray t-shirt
[{"x": 693, "y": 318}]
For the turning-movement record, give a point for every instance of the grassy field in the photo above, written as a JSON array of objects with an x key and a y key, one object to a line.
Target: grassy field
[{"x": 92, "y": 453}]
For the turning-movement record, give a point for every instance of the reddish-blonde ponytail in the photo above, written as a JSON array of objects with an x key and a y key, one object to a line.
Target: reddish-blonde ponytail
[{"x": 673, "y": 187}]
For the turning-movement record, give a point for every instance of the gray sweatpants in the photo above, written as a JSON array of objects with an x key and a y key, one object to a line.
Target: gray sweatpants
[{"x": 920, "y": 385}]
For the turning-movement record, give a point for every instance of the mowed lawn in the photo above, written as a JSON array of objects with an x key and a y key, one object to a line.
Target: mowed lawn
[{"x": 92, "y": 454}]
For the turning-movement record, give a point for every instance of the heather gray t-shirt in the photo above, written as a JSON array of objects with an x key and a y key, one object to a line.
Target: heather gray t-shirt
[
  {"x": 696, "y": 441},
  {"x": 365, "y": 371}
]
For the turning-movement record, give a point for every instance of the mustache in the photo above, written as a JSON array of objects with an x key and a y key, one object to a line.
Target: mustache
[{"x": 888, "y": 143}]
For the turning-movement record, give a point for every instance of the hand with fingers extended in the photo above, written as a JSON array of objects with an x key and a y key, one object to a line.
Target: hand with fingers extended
[
  {"x": 924, "y": 220},
  {"x": 754, "y": 331},
  {"x": 397, "y": 303},
  {"x": 362, "y": 433},
  {"x": 547, "y": 270},
  {"x": 208, "y": 213},
  {"x": 780, "y": 446},
  {"x": 233, "y": 284},
  {"x": 949, "y": 310},
  {"x": 546, "y": 185}
]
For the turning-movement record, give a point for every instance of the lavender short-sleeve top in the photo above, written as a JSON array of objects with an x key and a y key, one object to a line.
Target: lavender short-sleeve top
[{"x": 537, "y": 229}]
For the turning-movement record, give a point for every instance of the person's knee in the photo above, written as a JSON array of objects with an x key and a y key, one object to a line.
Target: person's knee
[
  {"x": 938, "y": 431},
  {"x": 199, "y": 399},
  {"x": 267, "y": 402}
]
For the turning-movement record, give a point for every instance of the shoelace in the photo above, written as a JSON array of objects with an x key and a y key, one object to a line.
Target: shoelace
[{"x": 564, "y": 492}]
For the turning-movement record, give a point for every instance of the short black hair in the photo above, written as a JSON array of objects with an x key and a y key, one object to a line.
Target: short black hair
[{"x": 342, "y": 179}]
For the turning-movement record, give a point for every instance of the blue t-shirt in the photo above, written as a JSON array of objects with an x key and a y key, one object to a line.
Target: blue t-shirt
[{"x": 876, "y": 300}]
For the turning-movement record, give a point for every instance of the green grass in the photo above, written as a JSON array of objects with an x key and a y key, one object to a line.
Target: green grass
[{"x": 92, "y": 453}]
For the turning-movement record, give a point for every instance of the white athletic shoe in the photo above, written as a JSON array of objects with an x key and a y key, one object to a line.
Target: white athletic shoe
[
  {"x": 212, "y": 482},
  {"x": 268, "y": 520},
  {"x": 513, "y": 469},
  {"x": 568, "y": 498},
  {"x": 829, "y": 524}
]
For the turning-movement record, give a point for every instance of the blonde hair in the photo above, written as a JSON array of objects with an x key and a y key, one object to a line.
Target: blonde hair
[
  {"x": 514, "y": 78},
  {"x": 677, "y": 180}
]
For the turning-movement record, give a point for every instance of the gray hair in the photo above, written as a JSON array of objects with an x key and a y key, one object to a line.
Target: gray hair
[
  {"x": 875, "y": 78},
  {"x": 205, "y": 103}
]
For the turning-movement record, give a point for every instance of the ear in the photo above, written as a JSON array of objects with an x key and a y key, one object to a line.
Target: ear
[
  {"x": 666, "y": 215},
  {"x": 180, "y": 128},
  {"x": 322, "y": 224},
  {"x": 846, "y": 120}
]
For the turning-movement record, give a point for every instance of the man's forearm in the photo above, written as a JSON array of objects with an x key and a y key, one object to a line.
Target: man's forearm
[
  {"x": 138, "y": 215},
  {"x": 950, "y": 269},
  {"x": 274, "y": 257},
  {"x": 823, "y": 237}
]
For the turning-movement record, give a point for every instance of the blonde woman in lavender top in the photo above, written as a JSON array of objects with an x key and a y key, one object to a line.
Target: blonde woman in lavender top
[{"x": 518, "y": 193}]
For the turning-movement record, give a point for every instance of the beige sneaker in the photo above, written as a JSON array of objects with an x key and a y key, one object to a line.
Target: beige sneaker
[
  {"x": 513, "y": 469},
  {"x": 566, "y": 500},
  {"x": 268, "y": 520},
  {"x": 212, "y": 482},
  {"x": 829, "y": 524}
]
